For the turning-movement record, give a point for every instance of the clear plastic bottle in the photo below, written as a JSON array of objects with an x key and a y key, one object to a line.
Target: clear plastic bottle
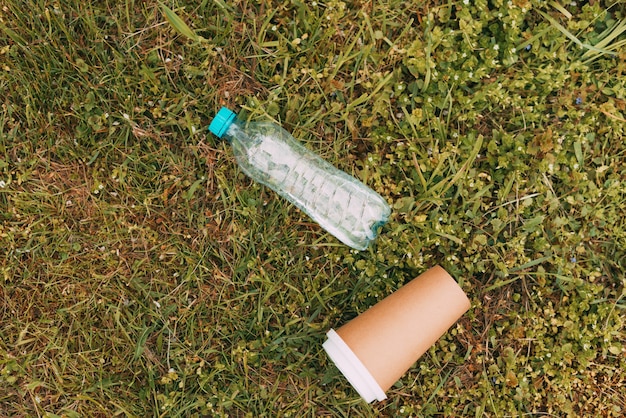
[{"x": 338, "y": 202}]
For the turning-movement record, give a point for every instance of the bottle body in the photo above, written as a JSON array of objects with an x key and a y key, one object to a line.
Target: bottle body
[{"x": 338, "y": 202}]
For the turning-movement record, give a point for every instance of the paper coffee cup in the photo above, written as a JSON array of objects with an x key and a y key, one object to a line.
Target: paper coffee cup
[{"x": 377, "y": 347}]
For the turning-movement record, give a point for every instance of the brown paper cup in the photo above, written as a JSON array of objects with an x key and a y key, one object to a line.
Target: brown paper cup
[{"x": 377, "y": 347}]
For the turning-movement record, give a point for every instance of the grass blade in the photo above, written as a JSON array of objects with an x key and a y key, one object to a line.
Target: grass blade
[
  {"x": 561, "y": 9},
  {"x": 530, "y": 264},
  {"x": 605, "y": 43},
  {"x": 178, "y": 24},
  {"x": 573, "y": 38},
  {"x": 13, "y": 35},
  {"x": 445, "y": 186}
]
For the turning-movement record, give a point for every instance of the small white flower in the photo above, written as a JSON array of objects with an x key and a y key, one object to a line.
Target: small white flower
[
  {"x": 466, "y": 2},
  {"x": 496, "y": 47},
  {"x": 2, "y": 184},
  {"x": 125, "y": 116},
  {"x": 158, "y": 306}
]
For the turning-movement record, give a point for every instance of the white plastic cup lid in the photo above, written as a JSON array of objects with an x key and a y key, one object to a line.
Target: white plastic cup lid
[{"x": 352, "y": 368}]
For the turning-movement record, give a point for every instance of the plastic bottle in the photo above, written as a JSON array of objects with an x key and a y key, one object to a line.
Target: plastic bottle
[{"x": 338, "y": 202}]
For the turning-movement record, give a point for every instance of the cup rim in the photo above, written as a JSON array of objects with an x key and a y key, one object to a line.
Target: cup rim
[{"x": 352, "y": 368}]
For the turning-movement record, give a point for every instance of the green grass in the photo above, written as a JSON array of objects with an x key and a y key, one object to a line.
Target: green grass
[{"x": 143, "y": 275}]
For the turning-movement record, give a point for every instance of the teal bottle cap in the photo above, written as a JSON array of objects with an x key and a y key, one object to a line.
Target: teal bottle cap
[{"x": 222, "y": 121}]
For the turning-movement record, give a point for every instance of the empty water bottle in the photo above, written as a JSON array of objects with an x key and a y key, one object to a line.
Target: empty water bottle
[{"x": 338, "y": 202}]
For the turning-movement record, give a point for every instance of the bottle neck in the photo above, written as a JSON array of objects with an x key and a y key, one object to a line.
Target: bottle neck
[{"x": 233, "y": 131}]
